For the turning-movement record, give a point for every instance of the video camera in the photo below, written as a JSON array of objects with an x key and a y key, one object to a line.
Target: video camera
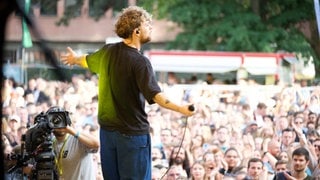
[
  {"x": 36, "y": 145},
  {"x": 44, "y": 123}
]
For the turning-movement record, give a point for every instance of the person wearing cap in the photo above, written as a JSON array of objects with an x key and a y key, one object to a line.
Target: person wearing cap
[
  {"x": 251, "y": 128},
  {"x": 12, "y": 134}
]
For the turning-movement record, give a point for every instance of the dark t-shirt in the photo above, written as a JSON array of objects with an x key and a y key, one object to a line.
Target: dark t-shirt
[
  {"x": 126, "y": 81},
  {"x": 281, "y": 176}
]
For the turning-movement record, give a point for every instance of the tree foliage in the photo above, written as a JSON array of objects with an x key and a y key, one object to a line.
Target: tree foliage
[
  {"x": 226, "y": 25},
  {"x": 241, "y": 25}
]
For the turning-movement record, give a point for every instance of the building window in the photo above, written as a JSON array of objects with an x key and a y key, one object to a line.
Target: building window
[
  {"x": 98, "y": 8},
  {"x": 73, "y": 8},
  {"x": 48, "y": 7},
  {"x": 119, "y": 5},
  {"x": 10, "y": 56}
]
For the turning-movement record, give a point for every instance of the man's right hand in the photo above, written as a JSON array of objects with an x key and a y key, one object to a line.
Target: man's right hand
[
  {"x": 187, "y": 110},
  {"x": 70, "y": 58}
]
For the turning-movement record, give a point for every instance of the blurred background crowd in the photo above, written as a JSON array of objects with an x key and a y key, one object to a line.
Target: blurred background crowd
[{"x": 247, "y": 120}]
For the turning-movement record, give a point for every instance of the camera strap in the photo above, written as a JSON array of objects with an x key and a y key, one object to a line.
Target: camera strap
[{"x": 58, "y": 161}]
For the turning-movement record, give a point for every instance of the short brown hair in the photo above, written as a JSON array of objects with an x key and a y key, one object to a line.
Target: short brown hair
[{"x": 130, "y": 19}]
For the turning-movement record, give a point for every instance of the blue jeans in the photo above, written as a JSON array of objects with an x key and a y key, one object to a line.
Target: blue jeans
[{"x": 125, "y": 156}]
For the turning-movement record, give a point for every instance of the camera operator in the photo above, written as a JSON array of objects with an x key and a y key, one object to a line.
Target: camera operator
[
  {"x": 53, "y": 149},
  {"x": 73, "y": 153}
]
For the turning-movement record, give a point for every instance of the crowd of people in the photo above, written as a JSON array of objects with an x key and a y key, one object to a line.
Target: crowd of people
[
  {"x": 144, "y": 129},
  {"x": 245, "y": 131},
  {"x": 240, "y": 126}
]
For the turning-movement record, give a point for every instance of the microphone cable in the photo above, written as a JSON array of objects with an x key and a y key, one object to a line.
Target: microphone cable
[{"x": 191, "y": 108}]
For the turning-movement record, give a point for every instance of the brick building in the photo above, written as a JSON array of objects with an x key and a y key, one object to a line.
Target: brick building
[{"x": 83, "y": 33}]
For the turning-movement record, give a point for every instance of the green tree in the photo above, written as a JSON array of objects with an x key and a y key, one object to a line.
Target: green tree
[
  {"x": 242, "y": 25},
  {"x": 227, "y": 25}
]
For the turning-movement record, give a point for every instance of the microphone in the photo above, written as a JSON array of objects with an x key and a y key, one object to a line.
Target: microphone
[{"x": 191, "y": 107}]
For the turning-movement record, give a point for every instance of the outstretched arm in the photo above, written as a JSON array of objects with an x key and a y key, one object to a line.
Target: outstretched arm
[
  {"x": 163, "y": 101},
  {"x": 71, "y": 58}
]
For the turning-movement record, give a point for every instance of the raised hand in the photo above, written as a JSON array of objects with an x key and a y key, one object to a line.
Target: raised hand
[{"x": 70, "y": 58}]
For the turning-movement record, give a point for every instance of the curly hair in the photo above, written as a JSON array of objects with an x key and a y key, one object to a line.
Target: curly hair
[{"x": 130, "y": 19}]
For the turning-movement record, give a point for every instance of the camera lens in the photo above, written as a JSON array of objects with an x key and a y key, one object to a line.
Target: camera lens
[{"x": 57, "y": 120}]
